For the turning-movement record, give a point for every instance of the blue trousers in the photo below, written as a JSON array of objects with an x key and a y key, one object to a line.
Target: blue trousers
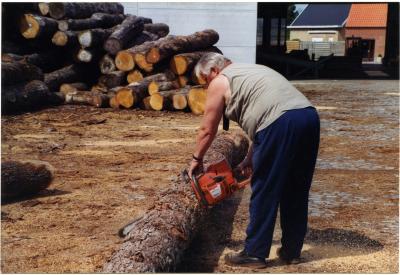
[{"x": 284, "y": 156}]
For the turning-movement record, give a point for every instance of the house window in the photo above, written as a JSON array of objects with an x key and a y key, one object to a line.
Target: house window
[
  {"x": 283, "y": 31},
  {"x": 260, "y": 31}
]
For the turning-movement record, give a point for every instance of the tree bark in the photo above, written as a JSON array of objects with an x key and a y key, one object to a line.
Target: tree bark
[
  {"x": 197, "y": 100},
  {"x": 24, "y": 97},
  {"x": 72, "y": 87},
  {"x": 19, "y": 71},
  {"x": 107, "y": 64},
  {"x": 23, "y": 178},
  {"x": 95, "y": 37},
  {"x": 159, "y": 29},
  {"x": 65, "y": 39},
  {"x": 46, "y": 61},
  {"x": 171, "y": 45},
  {"x": 130, "y": 28},
  {"x": 69, "y": 74},
  {"x": 113, "y": 79},
  {"x": 37, "y": 27},
  {"x": 185, "y": 62},
  {"x": 157, "y": 86},
  {"x": 157, "y": 240},
  {"x": 87, "y": 98},
  {"x": 97, "y": 20},
  {"x": 77, "y": 10}
]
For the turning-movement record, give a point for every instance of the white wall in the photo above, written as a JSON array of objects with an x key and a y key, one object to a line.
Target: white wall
[{"x": 236, "y": 23}]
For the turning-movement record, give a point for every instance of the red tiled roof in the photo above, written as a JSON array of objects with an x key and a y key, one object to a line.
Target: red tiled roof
[{"x": 367, "y": 15}]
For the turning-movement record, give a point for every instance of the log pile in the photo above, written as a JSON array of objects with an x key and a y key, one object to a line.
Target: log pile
[{"x": 123, "y": 60}]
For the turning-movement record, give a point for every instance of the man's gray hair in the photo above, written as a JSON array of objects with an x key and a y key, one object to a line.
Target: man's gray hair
[{"x": 209, "y": 61}]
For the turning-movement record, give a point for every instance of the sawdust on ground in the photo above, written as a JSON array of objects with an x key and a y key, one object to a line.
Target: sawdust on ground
[{"x": 110, "y": 165}]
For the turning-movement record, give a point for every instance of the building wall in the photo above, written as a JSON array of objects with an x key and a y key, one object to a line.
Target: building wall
[
  {"x": 236, "y": 23},
  {"x": 378, "y": 34},
  {"x": 305, "y": 35}
]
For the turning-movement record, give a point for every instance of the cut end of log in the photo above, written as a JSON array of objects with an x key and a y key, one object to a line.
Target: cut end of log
[
  {"x": 112, "y": 46},
  {"x": 145, "y": 104},
  {"x": 84, "y": 56},
  {"x": 125, "y": 97},
  {"x": 72, "y": 87},
  {"x": 179, "y": 65},
  {"x": 107, "y": 64},
  {"x": 60, "y": 38},
  {"x": 124, "y": 61},
  {"x": 63, "y": 25},
  {"x": 56, "y": 10},
  {"x": 197, "y": 100},
  {"x": 153, "y": 88},
  {"x": 156, "y": 102},
  {"x": 29, "y": 26},
  {"x": 114, "y": 103},
  {"x": 85, "y": 39},
  {"x": 140, "y": 60},
  {"x": 44, "y": 8},
  {"x": 153, "y": 55},
  {"x": 179, "y": 102},
  {"x": 134, "y": 76},
  {"x": 182, "y": 80}
]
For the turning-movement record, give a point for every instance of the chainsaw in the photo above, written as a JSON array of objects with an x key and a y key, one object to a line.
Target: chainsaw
[{"x": 216, "y": 183}]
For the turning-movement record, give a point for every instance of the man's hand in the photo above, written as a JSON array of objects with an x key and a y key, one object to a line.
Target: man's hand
[
  {"x": 196, "y": 167},
  {"x": 245, "y": 168}
]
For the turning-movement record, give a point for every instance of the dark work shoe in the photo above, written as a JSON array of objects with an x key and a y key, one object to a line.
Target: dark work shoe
[
  {"x": 243, "y": 259},
  {"x": 286, "y": 258}
]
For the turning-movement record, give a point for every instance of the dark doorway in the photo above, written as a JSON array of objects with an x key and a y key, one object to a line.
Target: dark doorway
[{"x": 367, "y": 49}]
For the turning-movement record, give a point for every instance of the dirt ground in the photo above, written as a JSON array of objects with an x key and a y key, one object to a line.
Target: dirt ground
[{"x": 111, "y": 164}]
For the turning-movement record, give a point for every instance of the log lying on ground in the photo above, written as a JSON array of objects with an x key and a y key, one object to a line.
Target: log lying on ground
[
  {"x": 158, "y": 86},
  {"x": 171, "y": 45},
  {"x": 130, "y": 28},
  {"x": 38, "y": 27},
  {"x": 24, "y": 97},
  {"x": 94, "y": 37},
  {"x": 185, "y": 62},
  {"x": 113, "y": 79},
  {"x": 72, "y": 87},
  {"x": 97, "y": 20},
  {"x": 69, "y": 74},
  {"x": 19, "y": 71},
  {"x": 82, "y": 10},
  {"x": 107, "y": 64},
  {"x": 196, "y": 98},
  {"x": 99, "y": 88},
  {"x": 65, "y": 39},
  {"x": 160, "y": 29},
  {"x": 23, "y": 178},
  {"x": 156, "y": 241},
  {"x": 134, "y": 76},
  {"x": 87, "y": 98}
]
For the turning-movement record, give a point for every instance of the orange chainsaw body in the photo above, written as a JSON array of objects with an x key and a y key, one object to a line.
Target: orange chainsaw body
[{"x": 216, "y": 183}]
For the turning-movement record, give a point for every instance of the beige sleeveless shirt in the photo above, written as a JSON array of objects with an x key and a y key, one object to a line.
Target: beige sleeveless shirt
[{"x": 259, "y": 96}]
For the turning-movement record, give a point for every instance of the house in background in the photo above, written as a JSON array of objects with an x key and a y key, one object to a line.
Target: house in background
[
  {"x": 320, "y": 23},
  {"x": 366, "y": 30}
]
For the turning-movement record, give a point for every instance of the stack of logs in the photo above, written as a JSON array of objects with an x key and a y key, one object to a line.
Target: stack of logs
[{"x": 93, "y": 53}]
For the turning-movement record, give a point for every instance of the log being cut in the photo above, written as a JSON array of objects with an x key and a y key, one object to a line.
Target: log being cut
[
  {"x": 156, "y": 241},
  {"x": 23, "y": 178},
  {"x": 76, "y": 10}
]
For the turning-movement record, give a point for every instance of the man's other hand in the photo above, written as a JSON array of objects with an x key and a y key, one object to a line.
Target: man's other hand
[{"x": 196, "y": 167}]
